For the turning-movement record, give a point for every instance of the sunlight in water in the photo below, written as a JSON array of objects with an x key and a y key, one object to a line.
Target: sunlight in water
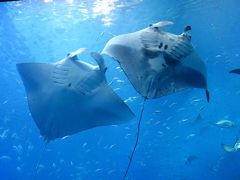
[
  {"x": 104, "y": 8},
  {"x": 69, "y": 1},
  {"x": 47, "y": 1}
]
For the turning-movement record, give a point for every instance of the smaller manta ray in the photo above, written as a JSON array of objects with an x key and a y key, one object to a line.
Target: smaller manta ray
[
  {"x": 71, "y": 96},
  {"x": 158, "y": 63},
  {"x": 236, "y": 147}
]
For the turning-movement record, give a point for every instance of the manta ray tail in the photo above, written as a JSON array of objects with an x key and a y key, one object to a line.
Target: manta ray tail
[{"x": 138, "y": 132}]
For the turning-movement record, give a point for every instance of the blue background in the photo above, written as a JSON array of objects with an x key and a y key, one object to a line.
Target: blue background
[{"x": 172, "y": 144}]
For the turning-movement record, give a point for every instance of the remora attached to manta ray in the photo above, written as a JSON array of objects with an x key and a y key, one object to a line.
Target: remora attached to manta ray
[
  {"x": 70, "y": 96},
  {"x": 158, "y": 63}
]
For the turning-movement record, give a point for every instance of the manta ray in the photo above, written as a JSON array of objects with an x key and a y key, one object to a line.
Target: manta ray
[
  {"x": 71, "y": 96},
  {"x": 158, "y": 63}
]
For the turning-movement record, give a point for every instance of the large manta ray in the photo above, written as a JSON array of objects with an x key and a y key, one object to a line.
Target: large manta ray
[
  {"x": 158, "y": 63},
  {"x": 70, "y": 96}
]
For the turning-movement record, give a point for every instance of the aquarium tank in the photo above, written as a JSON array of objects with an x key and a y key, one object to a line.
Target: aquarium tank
[{"x": 119, "y": 89}]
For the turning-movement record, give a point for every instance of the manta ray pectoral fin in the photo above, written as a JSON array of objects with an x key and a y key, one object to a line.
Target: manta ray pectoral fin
[
  {"x": 33, "y": 74},
  {"x": 100, "y": 61}
]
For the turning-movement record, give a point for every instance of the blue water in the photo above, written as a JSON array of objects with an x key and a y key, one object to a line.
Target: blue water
[{"x": 170, "y": 146}]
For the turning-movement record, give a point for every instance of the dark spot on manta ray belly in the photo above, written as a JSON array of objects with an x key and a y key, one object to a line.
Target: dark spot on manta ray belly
[
  {"x": 166, "y": 46},
  {"x": 69, "y": 85},
  {"x": 160, "y": 45}
]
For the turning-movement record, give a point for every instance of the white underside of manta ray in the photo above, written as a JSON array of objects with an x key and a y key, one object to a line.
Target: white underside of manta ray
[
  {"x": 70, "y": 96},
  {"x": 158, "y": 63}
]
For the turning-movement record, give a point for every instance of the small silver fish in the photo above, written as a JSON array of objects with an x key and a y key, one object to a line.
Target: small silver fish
[
  {"x": 4, "y": 157},
  {"x": 236, "y": 146},
  {"x": 225, "y": 123}
]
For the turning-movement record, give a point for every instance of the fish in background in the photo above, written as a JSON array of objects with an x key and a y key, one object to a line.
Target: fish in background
[
  {"x": 225, "y": 123},
  {"x": 233, "y": 148},
  {"x": 8, "y": 0},
  {"x": 235, "y": 71}
]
